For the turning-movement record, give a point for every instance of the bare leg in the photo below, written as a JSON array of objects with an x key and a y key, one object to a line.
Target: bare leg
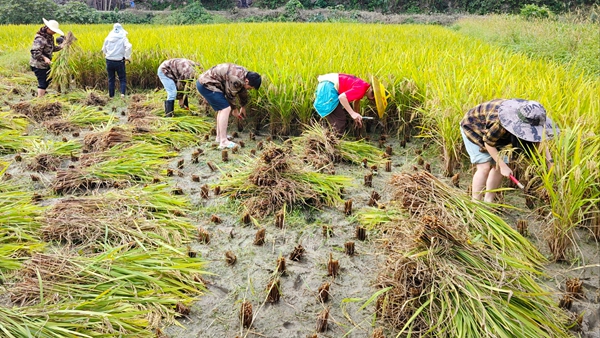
[
  {"x": 41, "y": 92},
  {"x": 479, "y": 180},
  {"x": 222, "y": 120},
  {"x": 493, "y": 182}
]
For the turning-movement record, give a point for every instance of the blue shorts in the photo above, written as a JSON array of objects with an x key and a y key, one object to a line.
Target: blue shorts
[
  {"x": 475, "y": 154},
  {"x": 216, "y": 100}
]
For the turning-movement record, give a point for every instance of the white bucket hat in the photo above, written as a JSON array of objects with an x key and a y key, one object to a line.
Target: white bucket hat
[{"x": 53, "y": 25}]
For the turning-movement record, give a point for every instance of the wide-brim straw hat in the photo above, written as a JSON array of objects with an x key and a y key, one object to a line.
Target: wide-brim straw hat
[
  {"x": 526, "y": 120},
  {"x": 53, "y": 25}
]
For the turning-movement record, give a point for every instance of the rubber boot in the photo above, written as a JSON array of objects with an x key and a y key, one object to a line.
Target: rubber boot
[
  {"x": 169, "y": 107},
  {"x": 185, "y": 103}
]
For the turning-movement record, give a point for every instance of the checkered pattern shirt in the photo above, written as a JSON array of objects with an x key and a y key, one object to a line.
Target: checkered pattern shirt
[{"x": 482, "y": 125}]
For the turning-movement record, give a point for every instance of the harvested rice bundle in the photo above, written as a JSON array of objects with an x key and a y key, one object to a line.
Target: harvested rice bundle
[
  {"x": 119, "y": 166},
  {"x": 106, "y": 139},
  {"x": 277, "y": 178},
  {"x": 95, "y": 99},
  {"x": 47, "y": 155},
  {"x": 110, "y": 316},
  {"x": 62, "y": 69},
  {"x": 321, "y": 148},
  {"x": 38, "y": 110},
  {"x": 160, "y": 279},
  {"x": 118, "y": 218},
  {"x": 448, "y": 275}
]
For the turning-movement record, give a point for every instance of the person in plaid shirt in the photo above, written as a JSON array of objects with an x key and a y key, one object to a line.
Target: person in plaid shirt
[
  {"x": 491, "y": 126},
  {"x": 220, "y": 85}
]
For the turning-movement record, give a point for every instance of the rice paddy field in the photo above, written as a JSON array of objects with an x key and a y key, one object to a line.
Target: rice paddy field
[{"x": 118, "y": 222}]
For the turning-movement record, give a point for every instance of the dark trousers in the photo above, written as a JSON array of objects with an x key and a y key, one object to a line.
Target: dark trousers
[
  {"x": 117, "y": 67},
  {"x": 42, "y": 77},
  {"x": 338, "y": 119}
]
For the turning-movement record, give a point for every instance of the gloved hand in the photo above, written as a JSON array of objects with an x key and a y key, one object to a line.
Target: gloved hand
[{"x": 60, "y": 40}]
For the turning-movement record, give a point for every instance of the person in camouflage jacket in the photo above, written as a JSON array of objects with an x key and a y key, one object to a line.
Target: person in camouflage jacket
[
  {"x": 174, "y": 74},
  {"x": 220, "y": 85},
  {"x": 41, "y": 53}
]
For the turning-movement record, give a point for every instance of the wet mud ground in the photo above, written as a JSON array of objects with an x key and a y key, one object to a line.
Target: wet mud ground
[{"x": 217, "y": 314}]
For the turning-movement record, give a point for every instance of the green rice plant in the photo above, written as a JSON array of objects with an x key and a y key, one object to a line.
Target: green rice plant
[
  {"x": 120, "y": 165},
  {"x": 279, "y": 102},
  {"x": 148, "y": 216},
  {"x": 356, "y": 151},
  {"x": 12, "y": 141},
  {"x": 191, "y": 124},
  {"x": 105, "y": 317},
  {"x": 49, "y": 147},
  {"x": 571, "y": 186},
  {"x": 177, "y": 132},
  {"x": 154, "y": 280},
  {"x": 569, "y": 42},
  {"x": 10, "y": 122},
  {"x": 137, "y": 160},
  {"x": 452, "y": 274},
  {"x": 63, "y": 69},
  {"x": 84, "y": 116},
  {"x": 19, "y": 218},
  {"x": 162, "y": 137},
  {"x": 13, "y": 255},
  {"x": 405, "y": 100}
]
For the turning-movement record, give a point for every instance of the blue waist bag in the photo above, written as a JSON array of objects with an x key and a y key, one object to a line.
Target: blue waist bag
[{"x": 326, "y": 98}]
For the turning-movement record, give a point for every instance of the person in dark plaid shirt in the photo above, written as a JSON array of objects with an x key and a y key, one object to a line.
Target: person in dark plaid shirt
[{"x": 491, "y": 126}]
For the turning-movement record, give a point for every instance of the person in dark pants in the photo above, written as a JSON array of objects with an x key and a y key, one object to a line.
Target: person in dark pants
[
  {"x": 220, "y": 85},
  {"x": 117, "y": 51},
  {"x": 41, "y": 54}
]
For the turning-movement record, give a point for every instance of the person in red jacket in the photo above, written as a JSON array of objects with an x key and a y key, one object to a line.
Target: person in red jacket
[{"x": 334, "y": 94}]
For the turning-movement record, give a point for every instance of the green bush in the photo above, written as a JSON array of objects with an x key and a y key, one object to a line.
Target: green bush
[
  {"x": 292, "y": 9},
  {"x": 77, "y": 12},
  {"x": 535, "y": 12},
  {"x": 27, "y": 11},
  {"x": 194, "y": 13},
  {"x": 125, "y": 17}
]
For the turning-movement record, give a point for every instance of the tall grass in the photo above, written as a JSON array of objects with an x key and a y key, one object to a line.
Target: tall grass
[
  {"x": 574, "y": 43},
  {"x": 571, "y": 186}
]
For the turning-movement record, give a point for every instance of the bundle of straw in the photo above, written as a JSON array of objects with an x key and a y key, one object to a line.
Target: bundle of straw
[
  {"x": 279, "y": 178},
  {"x": 62, "y": 69},
  {"x": 454, "y": 269}
]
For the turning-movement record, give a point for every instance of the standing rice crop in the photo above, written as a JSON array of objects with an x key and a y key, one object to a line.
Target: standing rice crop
[{"x": 571, "y": 186}]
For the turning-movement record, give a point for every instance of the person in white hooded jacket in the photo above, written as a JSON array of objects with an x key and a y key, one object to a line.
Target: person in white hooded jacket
[{"x": 117, "y": 50}]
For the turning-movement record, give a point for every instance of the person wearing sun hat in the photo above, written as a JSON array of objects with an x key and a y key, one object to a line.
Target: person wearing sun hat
[
  {"x": 117, "y": 50},
  {"x": 491, "y": 126},
  {"x": 334, "y": 94},
  {"x": 41, "y": 53}
]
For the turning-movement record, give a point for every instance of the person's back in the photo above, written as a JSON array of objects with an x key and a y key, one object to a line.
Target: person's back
[{"x": 116, "y": 46}]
